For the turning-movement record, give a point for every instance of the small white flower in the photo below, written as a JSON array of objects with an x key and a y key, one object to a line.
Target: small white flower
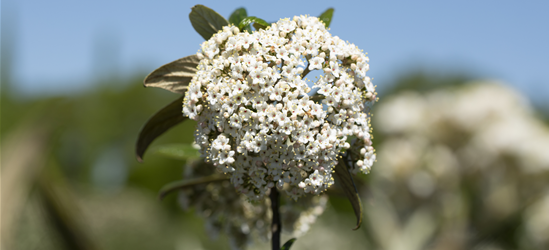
[{"x": 316, "y": 63}]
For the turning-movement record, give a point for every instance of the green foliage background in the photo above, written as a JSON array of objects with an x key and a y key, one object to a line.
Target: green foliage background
[{"x": 82, "y": 188}]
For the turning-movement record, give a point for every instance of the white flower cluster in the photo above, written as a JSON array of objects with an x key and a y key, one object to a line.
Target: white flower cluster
[
  {"x": 258, "y": 119},
  {"x": 479, "y": 138}
]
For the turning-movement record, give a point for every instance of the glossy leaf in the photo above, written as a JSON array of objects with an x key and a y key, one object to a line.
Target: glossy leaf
[
  {"x": 326, "y": 17},
  {"x": 258, "y": 23},
  {"x": 159, "y": 123},
  {"x": 206, "y": 21},
  {"x": 345, "y": 180},
  {"x": 179, "y": 151},
  {"x": 174, "y": 76},
  {"x": 181, "y": 184},
  {"x": 288, "y": 244},
  {"x": 237, "y": 16}
]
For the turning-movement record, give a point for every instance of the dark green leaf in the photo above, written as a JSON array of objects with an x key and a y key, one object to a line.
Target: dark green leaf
[
  {"x": 345, "y": 180},
  {"x": 174, "y": 76},
  {"x": 288, "y": 244},
  {"x": 176, "y": 185},
  {"x": 237, "y": 16},
  {"x": 259, "y": 26},
  {"x": 206, "y": 21},
  {"x": 159, "y": 123},
  {"x": 180, "y": 151},
  {"x": 258, "y": 23},
  {"x": 326, "y": 17}
]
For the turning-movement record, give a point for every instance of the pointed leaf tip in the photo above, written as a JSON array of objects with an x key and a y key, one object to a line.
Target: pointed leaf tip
[
  {"x": 326, "y": 17},
  {"x": 288, "y": 244}
]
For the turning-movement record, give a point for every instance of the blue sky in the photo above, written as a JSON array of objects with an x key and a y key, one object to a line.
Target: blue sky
[{"x": 61, "y": 45}]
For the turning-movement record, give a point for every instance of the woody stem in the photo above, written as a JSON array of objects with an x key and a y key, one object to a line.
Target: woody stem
[{"x": 276, "y": 225}]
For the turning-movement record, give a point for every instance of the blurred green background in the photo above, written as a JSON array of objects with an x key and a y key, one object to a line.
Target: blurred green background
[
  {"x": 461, "y": 165},
  {"x": 70, "y": 179}
]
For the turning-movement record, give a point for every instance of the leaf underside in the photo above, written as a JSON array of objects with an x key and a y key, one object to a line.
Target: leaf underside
[
  {"x": 345, "y": 179},
  {"x": 326, "y": 16},
  {"x": 206, "y": 21},
  {"x": 159, "y": 123},
  {"x": 174, "y": 76}
]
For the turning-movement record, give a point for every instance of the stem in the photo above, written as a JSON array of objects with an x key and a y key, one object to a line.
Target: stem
[
  {"x": 305, "y": 72},
  {"x": 276, "y": 226}
]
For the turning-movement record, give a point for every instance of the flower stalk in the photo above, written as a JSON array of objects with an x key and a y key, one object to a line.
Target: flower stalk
[{"x": 276, "y": 225}]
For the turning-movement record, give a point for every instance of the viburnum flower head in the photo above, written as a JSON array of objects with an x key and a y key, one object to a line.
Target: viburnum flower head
[{"x": 258, "y": 119}]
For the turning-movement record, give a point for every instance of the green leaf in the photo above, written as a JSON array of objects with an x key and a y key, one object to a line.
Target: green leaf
[
  {"x": 258, "y": 26},
  {"x": 258, "y": 23},
  {"x": 174, "y": 76},
  {"x": 206, "y": 21},
  {"x": 326, "y": 17},
  {"x": 176, "y": 185},
  {"x": 288, "y": 244},
  {"x": 159, "y": 123},
  {"x": 237, "y": 16},
  {"x": 180, "y": 151},
  {"x": 345, "y": 180}
]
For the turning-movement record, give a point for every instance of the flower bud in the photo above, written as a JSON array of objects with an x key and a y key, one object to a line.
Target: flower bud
[{"x": 353, "y": 66}]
